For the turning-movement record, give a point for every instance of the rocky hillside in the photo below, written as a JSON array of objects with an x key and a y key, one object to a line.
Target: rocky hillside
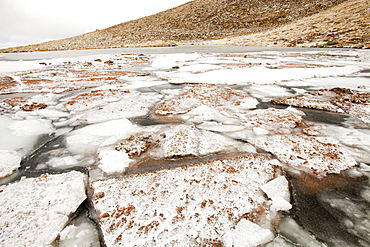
[
  {"x": 344, "y": 25},
  {"x": 195, "y": 21}
]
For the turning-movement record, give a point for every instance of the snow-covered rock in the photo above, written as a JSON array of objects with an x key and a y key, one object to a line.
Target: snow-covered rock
[{"x": 34, "y": 210}]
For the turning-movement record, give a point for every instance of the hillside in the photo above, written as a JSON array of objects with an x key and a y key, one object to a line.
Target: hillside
[
  {"x": 192, "y": 22},
  {"x": 344, "y": 25}
]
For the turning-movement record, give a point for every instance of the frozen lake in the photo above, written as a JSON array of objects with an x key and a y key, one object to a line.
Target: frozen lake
[{"x": 137, "y": 112}]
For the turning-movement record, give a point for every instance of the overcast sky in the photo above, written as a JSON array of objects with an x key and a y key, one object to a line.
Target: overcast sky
[{"x": 25, "y": 22}]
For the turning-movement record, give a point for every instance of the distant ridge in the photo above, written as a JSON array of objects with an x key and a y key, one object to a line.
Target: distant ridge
[
  {"x": 196, "y": 22},
  {"x": 344, "y": 25}
]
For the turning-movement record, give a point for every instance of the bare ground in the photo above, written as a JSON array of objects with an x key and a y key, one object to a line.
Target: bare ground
[{"x": 332, "y": 23}]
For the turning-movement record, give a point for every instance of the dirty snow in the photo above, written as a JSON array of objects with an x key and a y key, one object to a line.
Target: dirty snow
[{"x": 185, "y": 206}]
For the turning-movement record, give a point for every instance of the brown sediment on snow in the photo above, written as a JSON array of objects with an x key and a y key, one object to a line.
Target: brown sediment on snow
[
  {"x": 7, "y": 82},
  {"x": 221, "y": 98},
  {"x": 275, "y": 121},
  {"x": 316, "y": 156},
  {"x": 24, "y": 103},
  {"x": 69, "y": 76},
  {"x": 86, "y": 100},
  {"x": 336, "y": 100},
  {"x": 190, "y": 205},
  {"x": 34, "y": 210},
  {"x": 164, "y": 141}
]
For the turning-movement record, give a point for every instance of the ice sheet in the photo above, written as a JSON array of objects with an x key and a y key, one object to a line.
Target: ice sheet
[{"x": 35, "y": 210}]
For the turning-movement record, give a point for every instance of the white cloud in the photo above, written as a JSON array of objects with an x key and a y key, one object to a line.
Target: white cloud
[{"x": 25, "y": 22}]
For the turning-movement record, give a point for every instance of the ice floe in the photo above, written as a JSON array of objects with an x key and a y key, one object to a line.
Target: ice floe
[
  {"x": 35, "y": 210},
  {"x": 335, "y": 99},
  {"x": 309, "y": 154},
  {"x": 86, "y": 140},
  {"x": 225, "y": 100},
  {"x": 186, "y": 205},
  {"x": 130, "y": 105},
  {"x": 272, "y": 121},
  {"x": 22, "y": 135},
  {"x": 165, "y": 141},
  {"x": 169, "y": 61},
  {"x": 9, "y": 162},
  {"x": 31, "y": 127}
]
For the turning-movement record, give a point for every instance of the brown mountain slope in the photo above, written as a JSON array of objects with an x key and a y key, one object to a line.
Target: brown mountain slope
[
  {"x": 344, "y": 25},
  {"x": 194, "y": 21}
]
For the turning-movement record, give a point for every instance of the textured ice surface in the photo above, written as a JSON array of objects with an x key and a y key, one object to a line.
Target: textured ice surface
[
  {"x": 130, "y": 105},
  {"x": 31, "y": 127},
  {"x": 81, "y": 232},
  {"x": 307, "y": 153},
  {"x": 89, "y": 138},
  {"x": 191, "y": 205},
  {"x": 112, "y": 161},
  {"x": 225, "y": 100},
  {"x": 169, "y": 61},
  {"x": 174, "y": 141},
  {"x": 21, "y": 135},
  {"x": 34, "y": 210},
  {"x": 9, "y": 162},
  {"x": 258, "y": 75},
  {"x": 272, "y": 121}
]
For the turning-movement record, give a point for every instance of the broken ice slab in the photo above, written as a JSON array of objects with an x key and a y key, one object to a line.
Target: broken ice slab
[
  {"x": 309, "y": 154},
  {"x": 174, "y": 141},
  {"x": 21, "y": 136},
  {"x": 86, "y": 140},
  {"x": 272, "y": 121},
  {"x": 130, "y": 105},
  {"x": 34, "y": 210},
  {"x": 64, "y": 76},
  {"x": 189, "y": 205},
  {"x": 93, "y": 99},
  {"x": 9, "y": 162},
  {"x": 226, "y": 101},
  {"x": 346, "y": 100}
]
